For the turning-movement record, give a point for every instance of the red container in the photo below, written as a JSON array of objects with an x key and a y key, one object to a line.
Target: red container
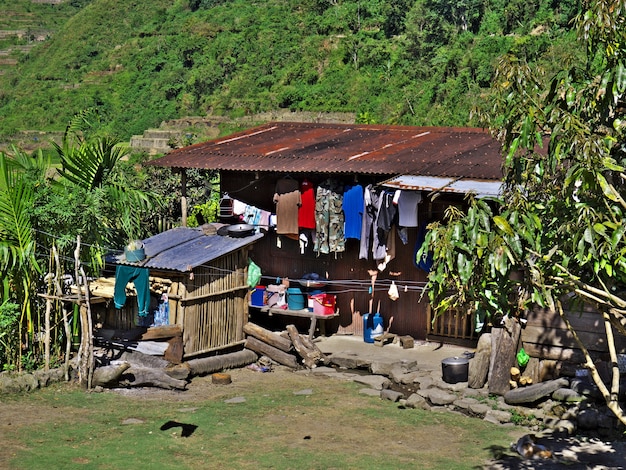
[{"x": 324, "y": 304}]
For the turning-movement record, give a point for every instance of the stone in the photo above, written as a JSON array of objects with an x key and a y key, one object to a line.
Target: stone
[
  {"x": 27, "y": 382},
  {"x": 479, "y": 365},
  {"x": 390, "y": 395},
  {"x": 320, "y": 370},
  {"x": 564, "y": 427},
  {"x": 417, "y": 401},
  {"x": 407, "y": 378},
  {"x": 587, "y": 419},
  {"x": 384, "y": 367},
  {"x": 424, "y": 382},
  {"x": 476, "y": 393},
  {"x": 567, "y": 395},
  {"x": 479, "y": 409},
  {"x": 235, "y": 400},
  {"x": 346, "y": 361},
  {"x": 534, "y": 393},
  {"x": 440, "y": 397},
  {"x": 497, "y": 416},
  {"x": 462, "y": 403},
  {"x": 584, "y": 386},
  {"x": 306, "y": 391},
  {"x": 370, "y": 392},
  {"x": 378, "y": 382}
]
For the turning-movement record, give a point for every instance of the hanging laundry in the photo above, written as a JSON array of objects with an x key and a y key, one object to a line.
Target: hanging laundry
[
  {"x": 287, "y": 199},
  {"x": 306, "y": 212},
  {"x": 329, "y": 218},
  {"x": 424, "y": 263},
  {"x": 407, "y": 208},
  {"x": 369, "y": 232},
  {"x": 140, "y": 277},
  {"x": 353, "y": 211}
]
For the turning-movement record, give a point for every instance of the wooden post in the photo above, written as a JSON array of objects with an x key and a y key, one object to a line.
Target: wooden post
[
  {"x": 66, "y": 323},
  {"x": 503, "y": 355},
  {"x": 183, "y": 196},
  {"x": 90, "y": 357}
]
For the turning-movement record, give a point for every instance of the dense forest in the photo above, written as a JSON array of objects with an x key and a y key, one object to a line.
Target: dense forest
[{"x": 413, "y": 62}]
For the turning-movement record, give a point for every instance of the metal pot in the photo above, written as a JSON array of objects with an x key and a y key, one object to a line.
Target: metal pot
[
  {"x": 240, "y": 230},
  {"x": 455, "y": 369}
]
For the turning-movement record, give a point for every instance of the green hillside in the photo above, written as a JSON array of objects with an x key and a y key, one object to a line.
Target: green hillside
[{"x": 422, "y": 62}]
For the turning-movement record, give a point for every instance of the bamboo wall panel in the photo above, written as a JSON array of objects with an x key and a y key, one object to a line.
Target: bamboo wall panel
[
  {"x": 454, "y": 324},
  {"x": 214, "y": 305}
]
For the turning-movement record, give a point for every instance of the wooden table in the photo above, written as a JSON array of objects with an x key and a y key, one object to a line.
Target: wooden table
[{"x": 305, "y": 313}]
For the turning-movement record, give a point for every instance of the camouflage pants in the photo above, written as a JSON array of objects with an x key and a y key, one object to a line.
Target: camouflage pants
[{"x": 329, "y": 218}]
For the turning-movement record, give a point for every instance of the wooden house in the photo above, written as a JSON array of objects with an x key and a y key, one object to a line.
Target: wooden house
[
  {"x": 440, "y": 164},
  {"x": 198, "y": 294}
]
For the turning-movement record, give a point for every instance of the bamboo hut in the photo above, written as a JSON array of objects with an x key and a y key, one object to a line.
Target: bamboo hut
[{"x": 198, "y": 295}]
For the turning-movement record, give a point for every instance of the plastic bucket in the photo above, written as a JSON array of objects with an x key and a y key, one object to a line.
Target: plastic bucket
[
  {"x": 323, "y": 304},
  {"x": 257, "y": 298},
  {"x": 296, "y": 300}
]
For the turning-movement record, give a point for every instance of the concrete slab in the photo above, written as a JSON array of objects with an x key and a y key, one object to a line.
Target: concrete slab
[{"x": 427, "y": 355}]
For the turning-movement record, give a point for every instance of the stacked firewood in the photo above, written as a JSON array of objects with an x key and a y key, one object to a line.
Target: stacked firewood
[{"x": 289, "y": 348}]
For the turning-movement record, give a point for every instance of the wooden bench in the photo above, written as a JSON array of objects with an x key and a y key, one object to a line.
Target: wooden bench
[{"x": 304, "y": 313}]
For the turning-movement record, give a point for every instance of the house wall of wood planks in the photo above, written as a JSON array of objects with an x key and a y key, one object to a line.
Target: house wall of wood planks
[{"x": 545, "y": 335}]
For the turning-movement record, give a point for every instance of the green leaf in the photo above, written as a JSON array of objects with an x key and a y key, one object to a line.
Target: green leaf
[{"x": 503, "y": 225}]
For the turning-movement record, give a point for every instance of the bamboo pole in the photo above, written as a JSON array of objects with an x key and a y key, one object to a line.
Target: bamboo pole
[
  {"x": 66, "y": 323},
  {"x": 90, "y": 357}
]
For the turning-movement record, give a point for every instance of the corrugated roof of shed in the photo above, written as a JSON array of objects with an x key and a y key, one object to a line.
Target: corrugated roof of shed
[
  {"x": 183, "y": 248},
  {"x": 347, "y": 148}
]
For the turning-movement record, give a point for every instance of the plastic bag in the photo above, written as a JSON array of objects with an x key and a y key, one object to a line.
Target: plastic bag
[
  {"x": 522, "y": 358},
  {"x": 254, "y": 274},
  {"x": 393, "y": 291}
]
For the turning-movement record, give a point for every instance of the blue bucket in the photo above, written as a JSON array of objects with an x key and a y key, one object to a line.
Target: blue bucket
[
  {"x": 296, "y": 300},
  {"x": 257, "y": 298}
]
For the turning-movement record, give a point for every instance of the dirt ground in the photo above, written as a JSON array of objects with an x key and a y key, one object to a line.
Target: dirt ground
[{"x": 571, "y": 453}]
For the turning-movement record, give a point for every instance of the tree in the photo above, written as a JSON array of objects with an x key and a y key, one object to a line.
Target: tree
[
  {"x": 93, "y": 164},
  {"x": 18, "y": 262},
  {"x": 561, "y": 217}
]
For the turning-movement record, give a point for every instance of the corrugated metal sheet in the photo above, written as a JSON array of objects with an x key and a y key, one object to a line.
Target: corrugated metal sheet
[
  {"x": 345, "y": 148},
  {"x": 448, "y": 185},
  {"x": 182, "y": 249}
]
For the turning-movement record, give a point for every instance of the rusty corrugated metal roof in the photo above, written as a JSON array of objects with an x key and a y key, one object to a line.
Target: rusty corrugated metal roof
[
  {"x": 182, "y": 249},
  {"x": 347, "y": 148}
]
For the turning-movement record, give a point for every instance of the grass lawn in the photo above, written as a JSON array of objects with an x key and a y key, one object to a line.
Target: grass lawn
[{"x": 287, "y": 421}]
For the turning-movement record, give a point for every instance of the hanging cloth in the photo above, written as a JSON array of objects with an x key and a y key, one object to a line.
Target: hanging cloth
[{"x": 140, "y": 277}]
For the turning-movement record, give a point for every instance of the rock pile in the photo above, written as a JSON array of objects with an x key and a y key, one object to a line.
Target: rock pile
[{"x": 564, "y": 406}]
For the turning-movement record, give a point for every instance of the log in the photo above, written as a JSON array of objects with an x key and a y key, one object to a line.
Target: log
[
  {"x": 137, "y": 358},
  {"x": 267, "y": 336},
  {"x": 270, "y": 351},
  {"x": 137, "y": 376},
  {"x": 309, "y": 357},
  {"x": 221, "y": 378},
  {"x": 308, "y": 342},
  {"x": 109, "y": 376},
  {"x": 479, "y": 365},
  {"x": 208, "y": 365},
  {"x": 161, "y": 332},
  {"x": 503, "y": 356},
  {"x": 174, "y": 352},
  {"x": 178, "y": 371}
]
